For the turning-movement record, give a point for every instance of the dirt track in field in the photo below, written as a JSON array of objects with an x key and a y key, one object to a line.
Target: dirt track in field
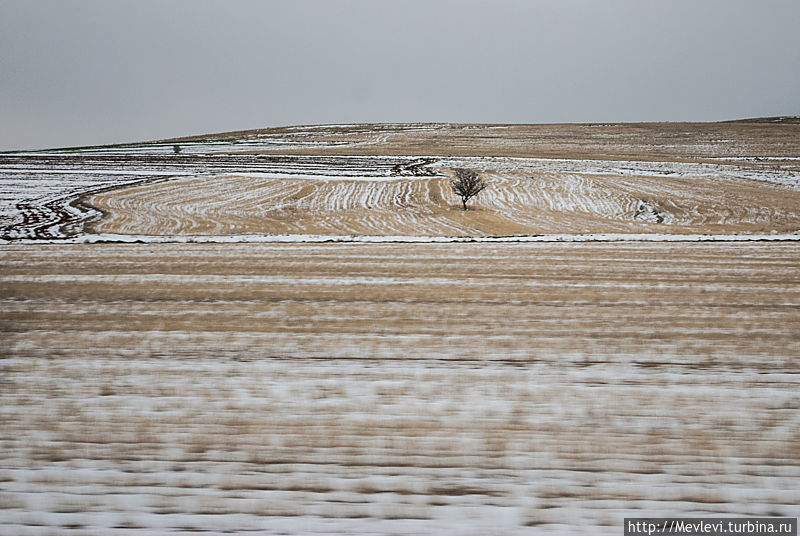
[{"x": 398, "y": 389}]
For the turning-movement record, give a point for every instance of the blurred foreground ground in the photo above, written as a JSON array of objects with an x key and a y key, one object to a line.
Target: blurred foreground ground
[{"x": 395, "y": 388}]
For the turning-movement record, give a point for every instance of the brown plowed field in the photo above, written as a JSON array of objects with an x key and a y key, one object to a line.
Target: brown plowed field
[
  {"x": 519, "y": 201},
  {"x": 739, "y": 177},
  {"x": 465, "y": 388}
]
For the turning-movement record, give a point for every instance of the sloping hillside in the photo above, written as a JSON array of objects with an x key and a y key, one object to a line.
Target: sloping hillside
[{"x": 670, "y": 178}]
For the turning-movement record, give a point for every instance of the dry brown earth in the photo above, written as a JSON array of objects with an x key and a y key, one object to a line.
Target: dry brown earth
[{"x": 705, "y": 142}]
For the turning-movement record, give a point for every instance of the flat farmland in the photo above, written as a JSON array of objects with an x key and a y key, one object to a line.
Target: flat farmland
[
  {"x": 416, "y": 388},
  {"x": 297, "y": 330}
]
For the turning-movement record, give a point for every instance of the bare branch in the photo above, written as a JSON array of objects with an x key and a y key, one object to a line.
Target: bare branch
[{"x": 467, "y": 185}]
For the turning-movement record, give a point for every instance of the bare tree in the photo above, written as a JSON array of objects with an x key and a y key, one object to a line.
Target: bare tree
[{"x": 467, "y": 185}]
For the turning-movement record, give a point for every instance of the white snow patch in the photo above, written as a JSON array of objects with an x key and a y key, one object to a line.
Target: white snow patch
[{"x": 315, "y": 238}]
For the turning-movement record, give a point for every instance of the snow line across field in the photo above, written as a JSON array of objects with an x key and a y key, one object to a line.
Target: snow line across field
[{"x": 311, "y": 238}]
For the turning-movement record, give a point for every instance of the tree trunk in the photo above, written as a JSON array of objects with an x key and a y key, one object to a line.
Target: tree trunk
[{"x": 464, "y": 202}]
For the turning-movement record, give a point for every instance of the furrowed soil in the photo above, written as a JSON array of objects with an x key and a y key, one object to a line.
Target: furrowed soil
[
  {"x": 465, "y": 388},
  {"x": 518, "y": 202},
  {"x": 395, "y": 388},
  {"x": 739, "y": 177},
  {"x": 682, "y": 178}
]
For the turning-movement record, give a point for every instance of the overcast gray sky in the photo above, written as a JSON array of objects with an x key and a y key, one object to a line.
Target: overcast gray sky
[{"x": 76, "y": 72}]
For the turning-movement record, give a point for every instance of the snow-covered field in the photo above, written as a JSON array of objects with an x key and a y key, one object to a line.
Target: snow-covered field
[
  {"x": 290, "y": 183},
  {"x": 40, "y": 195},
  {"x": 297, "y": 331},
  {"x": 526, "y": 197},
  {"x": 395, "y": 388}
]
